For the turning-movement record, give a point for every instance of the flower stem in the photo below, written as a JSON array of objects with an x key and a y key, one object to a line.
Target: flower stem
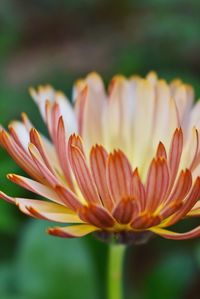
[{"x": 115, "y": 268}]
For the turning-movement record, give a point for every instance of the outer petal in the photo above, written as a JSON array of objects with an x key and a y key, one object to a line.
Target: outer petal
[
  {"x": 195, "y": 212},
  {"x": 35, "y": 187},
  {"x": 194, "y": 233},
  {"x": 75, "y": 231}
]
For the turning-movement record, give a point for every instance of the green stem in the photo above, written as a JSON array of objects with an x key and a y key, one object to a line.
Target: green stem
[{"x": 115, "y": 269}]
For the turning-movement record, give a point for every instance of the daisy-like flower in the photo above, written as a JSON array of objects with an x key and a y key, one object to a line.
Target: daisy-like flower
[{"x": 124, "y": 162}]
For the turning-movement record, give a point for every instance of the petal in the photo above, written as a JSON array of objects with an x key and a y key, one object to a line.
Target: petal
[
  {"x": 45, "y": 172},
  {"x": 194, "y": 233},
  {"x": 68, "y": 197},
  {"x": 20, "y": 134},
  {"x": 188, "y": 204},
  {"x": 175, "y": 153},
  {"x": 98, "y": 160},
  {"x": 157, "y": 184},
  {"x": 125, "y": 210},
  {"x": 37, "y": 141},
  {"x": 182, "y": 187},
  {"x": 74, "y": 231},
  {"x": 83, "y": 175},
  {"x": 161, "y": 151},
  {"x": 62, "y": 150},
  {"x": 119, "y": 175},
  {"x": 35, "y": 187},
  {"x": 138, "y": 190},
  {"x": 22, "y": 158},
  {"x": 47, "y": 210},
  {"x": 96, "y": 215},
  {"x": 195, "y": 210}
]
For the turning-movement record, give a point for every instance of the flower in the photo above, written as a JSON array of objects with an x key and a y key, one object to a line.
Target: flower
[{"x": 122, "y": 162}]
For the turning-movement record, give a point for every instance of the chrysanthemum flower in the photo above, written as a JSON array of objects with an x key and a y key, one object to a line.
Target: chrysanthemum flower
[{"x": 125, "y": 162}]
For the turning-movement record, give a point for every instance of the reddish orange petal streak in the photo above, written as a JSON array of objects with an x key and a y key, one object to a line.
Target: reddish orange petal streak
[
  {"x": 16, "y": 138},
  {"x": 55, "y": 115},
  {"x": 37, "y": 141},
  {"x": 125, "y": 210},
  {"x": 47, "y": 210},
  {"x": 35, "y": 187},
  {"x": 75, "y": 231},
  {"x": 175, "y": 153},
  {"x": 98, "y": 160},
  {"x": 7, "y": 197},
  {"x": 138, "y": 190},
  {"x": 68, "y": 197},
  {"x": 195, "y": 233},
  {"x": 97, "y": 216},
  {"x": 45, "y": 172},
  {"x": 119, "y": 175},
  {"x": 62, "y": 150},
  {"x": 83, "y": 176},
  {"x": 161, "y": 151},
  {"x": 157, "y": 184},
  {"x": 22, "y": 159},
  {"x": 189, "y": 202},
  {"x": 145, "y": 221},
  {"x": 195, "y": 212},
  {"x": 181, "y": 188}
]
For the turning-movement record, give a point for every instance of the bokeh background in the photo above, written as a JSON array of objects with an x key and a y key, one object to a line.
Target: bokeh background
[{"x": 47, "y": 41}]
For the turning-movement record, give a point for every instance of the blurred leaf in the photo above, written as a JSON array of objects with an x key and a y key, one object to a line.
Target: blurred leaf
[{"x": 54, "y": 268}]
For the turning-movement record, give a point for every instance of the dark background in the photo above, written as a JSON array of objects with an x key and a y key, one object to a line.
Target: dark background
[{"x": 56, "y": 42}]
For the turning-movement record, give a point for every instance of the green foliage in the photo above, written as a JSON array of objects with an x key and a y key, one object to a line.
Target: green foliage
[{"x": 49, "y": 268}]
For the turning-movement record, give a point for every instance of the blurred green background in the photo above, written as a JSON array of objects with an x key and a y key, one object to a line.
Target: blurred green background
[{"x": 47, "y": 41}]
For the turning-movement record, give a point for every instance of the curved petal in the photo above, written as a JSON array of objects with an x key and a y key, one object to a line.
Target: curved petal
[
  {"x": 194, "y": 233},
  {"x": 35, "y": 187},
  {"x": 74, "y": 231},
  {"x": 47, "y": 210}
]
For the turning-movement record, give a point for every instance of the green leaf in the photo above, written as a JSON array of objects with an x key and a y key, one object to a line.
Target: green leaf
[{"x": 50, "y": 267}]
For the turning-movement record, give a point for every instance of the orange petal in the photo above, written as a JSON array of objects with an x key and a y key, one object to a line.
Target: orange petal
[
  {"x": 188, "y": 204},
  {"x": 37, "y": 141},
  {"x": 181, "y": 188},
  {"x": 145, "y": 221},
  {"x": 195, "y": 212},
  {"x": 61, "y": 146},
  {"x": 22, "y": 158},
  {"x": 47, "y": 210},
  {"x": 97, "y": 216},
  {"x": 83, "y": 176},
  {"x": 138, "y": 190},
  {"x": 68, "y": 197},
  {"x": 119, "y": 175},
  {"x": 124, "y": 211},
  {"x": 194, "y": 233},
  {"x": 45, "y": 172},
  {"x": 161, "y": 151},
  {"x": 175, "y": 153},
  {"x": 98, "y": 159},
  {"x": 35, "y": 187},
  {"x": 74, "y": 231},
  {"x": 157, "y": 184}
]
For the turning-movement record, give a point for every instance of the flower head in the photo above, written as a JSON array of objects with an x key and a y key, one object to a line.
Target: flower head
[{"x": 125, "y": 162}]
